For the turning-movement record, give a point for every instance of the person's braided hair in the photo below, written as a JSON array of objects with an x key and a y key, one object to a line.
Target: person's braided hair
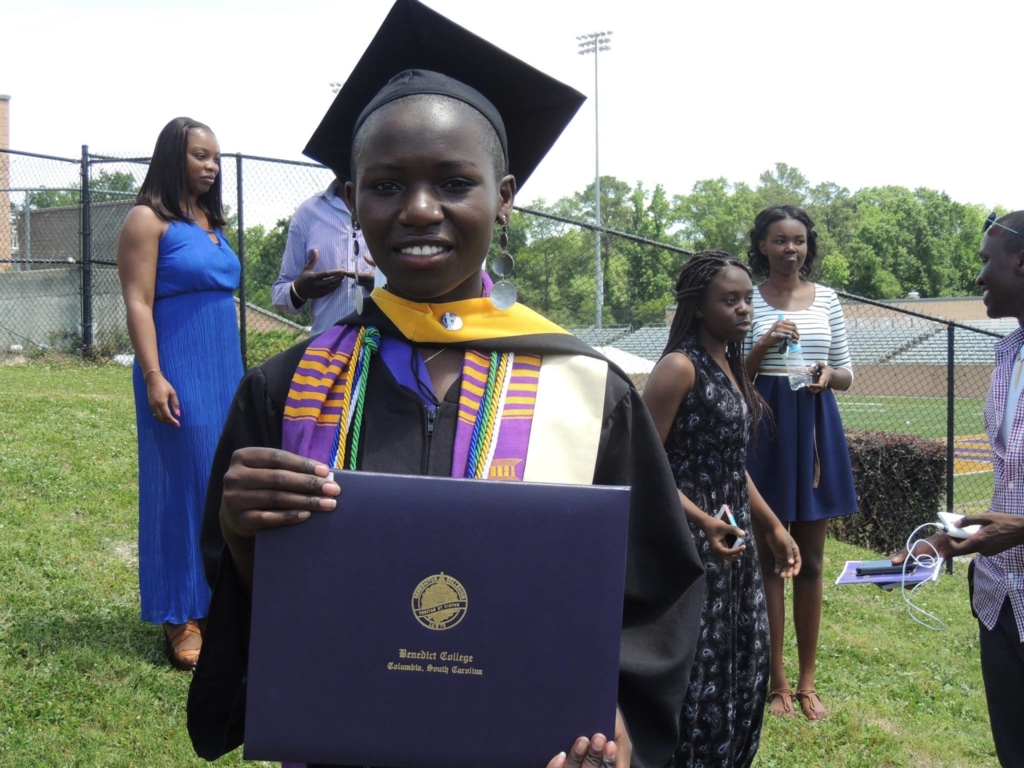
[{"x": 691, "y": 288}]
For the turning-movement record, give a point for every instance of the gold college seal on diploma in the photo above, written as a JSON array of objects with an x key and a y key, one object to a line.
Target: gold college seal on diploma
[{"x": 439, "y": 602}]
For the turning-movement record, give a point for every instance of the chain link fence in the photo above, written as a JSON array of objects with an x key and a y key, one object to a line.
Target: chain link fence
[
  {"x": 927, "y": 377},
  {"x": 59, "y": 288},
  {"x": 40, "y": 252},
  {"x": 916, "y": 374}
]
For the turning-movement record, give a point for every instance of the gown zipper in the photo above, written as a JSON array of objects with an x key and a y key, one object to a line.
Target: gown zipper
[{"x": 431, "y": 421}]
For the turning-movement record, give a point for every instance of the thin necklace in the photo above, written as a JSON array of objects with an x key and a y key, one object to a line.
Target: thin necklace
[
  {"x": 192, "y": 219},
  {"x": 190, "y": 213},
  {"x": 428, "y": 359}
]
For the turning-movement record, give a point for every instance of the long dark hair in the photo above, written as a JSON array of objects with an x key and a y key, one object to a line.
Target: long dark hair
[
  {"x": 691, "y": 288},
  {"x": 757, "y": 260},
  {"x": 165, "y": 188}
]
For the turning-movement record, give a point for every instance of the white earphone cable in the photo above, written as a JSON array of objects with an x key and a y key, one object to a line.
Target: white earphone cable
[{"x": 924, "y": 560}]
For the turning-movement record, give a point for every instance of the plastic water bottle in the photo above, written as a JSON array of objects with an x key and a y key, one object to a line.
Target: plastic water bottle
[{"x": 796, "y": 367}]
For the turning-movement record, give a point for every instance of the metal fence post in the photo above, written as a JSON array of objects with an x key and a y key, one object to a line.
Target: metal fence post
[
  {"x": 86, "y": 256},
  {"x": 242, "y": 312},
  {"x": 950, "y": 423},
  {"x": 950, "y": 420}
]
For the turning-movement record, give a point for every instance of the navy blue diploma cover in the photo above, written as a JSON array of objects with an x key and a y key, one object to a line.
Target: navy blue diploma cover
[{"x": 438, "y": 623}]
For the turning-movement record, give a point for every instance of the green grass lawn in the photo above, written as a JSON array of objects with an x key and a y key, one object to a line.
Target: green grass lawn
[
  {"x": 84, "y": 683},
  {"x": 926, "y": 417},
  {"x": 922, "y": 416}
]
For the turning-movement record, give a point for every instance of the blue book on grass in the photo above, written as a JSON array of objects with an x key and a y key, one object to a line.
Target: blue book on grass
[
  {"x": 437, "y": 622},
  {"x": 913, "y": 576}
]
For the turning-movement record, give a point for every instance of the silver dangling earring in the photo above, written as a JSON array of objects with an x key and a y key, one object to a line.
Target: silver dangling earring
[
  {"x": 503, "y": 294},
  {"x": 359, "y": 305}
]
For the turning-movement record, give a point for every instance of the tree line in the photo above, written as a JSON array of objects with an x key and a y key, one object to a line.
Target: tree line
[
  {"x": 105, "y": 187},
  {"x": 877, "y": 242}
]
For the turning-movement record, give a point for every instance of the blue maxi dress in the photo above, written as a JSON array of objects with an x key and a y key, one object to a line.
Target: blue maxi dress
[{"x": 198, "y": 344}]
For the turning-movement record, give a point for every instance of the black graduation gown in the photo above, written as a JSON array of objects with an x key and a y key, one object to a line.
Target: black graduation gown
[{"x": 664, "y": 577}]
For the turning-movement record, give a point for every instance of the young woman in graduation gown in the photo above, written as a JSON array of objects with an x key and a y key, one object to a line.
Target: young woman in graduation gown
[{"x": 430, "y": 162}]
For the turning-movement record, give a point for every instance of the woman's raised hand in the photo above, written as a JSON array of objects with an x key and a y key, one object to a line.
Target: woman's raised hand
[
  {"x": 315, "y": 285},
  {"x": 780, "y": 329},
  {"x": 268, "y": 488}
]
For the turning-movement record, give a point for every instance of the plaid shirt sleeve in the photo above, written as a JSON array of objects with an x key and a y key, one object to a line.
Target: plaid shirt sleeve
[{"x": 1001, "y": 576}]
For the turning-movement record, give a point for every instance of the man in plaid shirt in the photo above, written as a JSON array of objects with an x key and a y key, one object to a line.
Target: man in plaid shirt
[{"x": 997, "y": 575}]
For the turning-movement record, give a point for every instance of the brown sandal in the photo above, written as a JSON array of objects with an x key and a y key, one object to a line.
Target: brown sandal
[
  {"x": 184, "y": 659},
  {"x": 786, "y": 696},
  {"x": 808, "y": 706}
]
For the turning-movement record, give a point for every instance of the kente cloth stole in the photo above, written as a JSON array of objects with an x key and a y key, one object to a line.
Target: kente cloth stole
[
  {"x": 511, "y": 407},
  {"x": 499, "y": 394},
  {"x": 322, "y": 414},
  {"x": 318, "y": 412}
]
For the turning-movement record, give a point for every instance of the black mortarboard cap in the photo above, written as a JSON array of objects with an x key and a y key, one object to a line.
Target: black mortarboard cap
[{"x": 535, "y": 108}]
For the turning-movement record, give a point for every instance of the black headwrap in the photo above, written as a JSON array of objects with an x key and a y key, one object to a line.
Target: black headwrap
[{"x": 415, "y": 82}]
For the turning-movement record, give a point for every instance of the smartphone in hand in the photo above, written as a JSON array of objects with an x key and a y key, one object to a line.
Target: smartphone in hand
[
  {"x": 949, "y": 521},
  {"x": 731, "y": 541}
]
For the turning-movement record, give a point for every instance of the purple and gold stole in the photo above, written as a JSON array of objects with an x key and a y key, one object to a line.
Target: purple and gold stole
[
  {"x": 498, "y": 390},
  {"x": 316, "y": 404},
  {"x": 514, "y": 394}
]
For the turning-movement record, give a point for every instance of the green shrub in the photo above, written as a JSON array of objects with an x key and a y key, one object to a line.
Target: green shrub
[
  {"x": 109, "y": 342},
  {"x": 106, "y": 343},
  {"x": 900, "y": 480},
  {"x": 65, "y": 342},
  {"x": 263, "y": 345}
]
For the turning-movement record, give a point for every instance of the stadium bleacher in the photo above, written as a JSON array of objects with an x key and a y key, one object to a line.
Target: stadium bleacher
[
  {"x": 968, "y": 348},
  {"x": 647, "y": 343},
  {"x": 601, "y": 337},
  {"x": 873, "y": 341}
]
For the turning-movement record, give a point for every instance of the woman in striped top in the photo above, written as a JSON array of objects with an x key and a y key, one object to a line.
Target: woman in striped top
[{"x": 800, "y": 464}]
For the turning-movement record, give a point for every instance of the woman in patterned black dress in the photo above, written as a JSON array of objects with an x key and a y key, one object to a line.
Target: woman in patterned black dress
[{"x": 704, "y": 405}]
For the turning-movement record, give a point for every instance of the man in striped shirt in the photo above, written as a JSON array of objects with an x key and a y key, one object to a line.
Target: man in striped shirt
[
  {"x": 321, "y": 265},
  {"x": 997, "y": 574}
]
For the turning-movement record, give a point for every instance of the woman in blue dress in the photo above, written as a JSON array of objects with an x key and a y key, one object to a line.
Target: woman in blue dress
[{"x": 177, "y": 277}]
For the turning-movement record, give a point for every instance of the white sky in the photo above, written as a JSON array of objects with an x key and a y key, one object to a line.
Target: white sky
[{"x": 859, "y": 93}]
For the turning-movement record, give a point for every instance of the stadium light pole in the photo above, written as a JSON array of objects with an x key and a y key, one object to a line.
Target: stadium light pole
[{"x": 596, "y": 42}]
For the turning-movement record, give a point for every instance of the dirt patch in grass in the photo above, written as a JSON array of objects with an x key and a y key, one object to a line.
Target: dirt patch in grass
[
  {"x": 127, "y": 552},
  {"x": 886, "y": 725}
]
